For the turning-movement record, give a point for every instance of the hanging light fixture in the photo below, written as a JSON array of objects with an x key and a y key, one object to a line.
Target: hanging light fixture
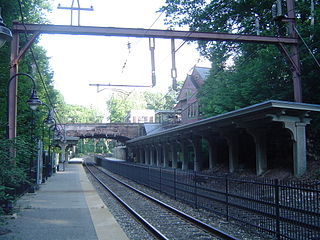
[
  {"x": 49, "y": 120},
  {"x": 34, "y": 101},
  {"x": 5, "y": 33}
]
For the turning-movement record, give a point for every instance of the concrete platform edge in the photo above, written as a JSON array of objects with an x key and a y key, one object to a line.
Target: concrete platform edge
[{"x": 104, "y": 223}]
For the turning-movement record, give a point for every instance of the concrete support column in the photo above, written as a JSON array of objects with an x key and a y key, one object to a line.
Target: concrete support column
[
  {"x": 135, "y": 154},
  {"x": 173, "y": 154},
  {"x": 233, "y": 146},
  {"x": 196, "y": 143},
  {"x": 147, "y": 155},
  {"x": 159, "y": 150},
  {"x": 184, "y": 155},
  {"x": 151, "y": 154},
  {"x": 165, "y": 155},
  {"x": 213, "y": 151},
  {"x": 298, "y": 133},
  {"x": 129, "y": 154},
  {"x": 141, "y": 155},
  {"x": 300, "y": 150},
  {"x": 260, "y": 139},
  {"x": 297, "y": 128}
]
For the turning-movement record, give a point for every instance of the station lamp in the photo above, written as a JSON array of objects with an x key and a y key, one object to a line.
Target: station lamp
[
  {"x": 34, "y": 101},
  {"x": 5, "y": 33}
]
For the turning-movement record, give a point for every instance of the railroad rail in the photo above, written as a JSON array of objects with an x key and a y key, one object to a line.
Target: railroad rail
[{"x": 160, "y": 219}]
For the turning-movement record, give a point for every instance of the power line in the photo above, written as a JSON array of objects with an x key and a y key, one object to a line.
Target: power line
[
  {"x": 37, "y": 65},
  {"x": 317, "y": 62}
]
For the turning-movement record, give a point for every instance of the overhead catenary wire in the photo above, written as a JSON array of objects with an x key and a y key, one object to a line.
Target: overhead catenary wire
[
  {"x": 37, "y": 65},
  {"x": 306, "y": 45},
  {"x": 130, "y": 45},
  {"x": 245, "y": 60}
]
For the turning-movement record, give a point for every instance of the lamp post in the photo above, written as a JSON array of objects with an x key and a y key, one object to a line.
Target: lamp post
[
  {"x": 49, "y": 121},
  {"x": 58, "y": 136},
  {"x": 33, "y": 101}
]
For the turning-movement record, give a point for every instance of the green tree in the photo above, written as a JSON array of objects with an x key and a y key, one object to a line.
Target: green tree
[
  {"x": 80, "y": 114},
  {"x": 120, "y": 104},
  {"x": 259, "y": 72},
  {"x": 14, "y": 171}
]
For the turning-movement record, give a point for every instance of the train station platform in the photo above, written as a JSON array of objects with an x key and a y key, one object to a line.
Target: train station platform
[{"x": 65, "y": 207}]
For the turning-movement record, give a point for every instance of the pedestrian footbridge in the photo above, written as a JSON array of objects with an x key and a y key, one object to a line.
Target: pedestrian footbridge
[{"x": 118, "y": 131}]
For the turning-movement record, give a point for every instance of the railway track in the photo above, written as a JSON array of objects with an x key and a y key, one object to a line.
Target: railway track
[{"x": 161, "y": 220}]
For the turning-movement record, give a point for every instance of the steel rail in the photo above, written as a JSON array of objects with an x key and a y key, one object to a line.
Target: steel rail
[
  {"x": 136, "y": 215},
  {"x": 181, "y": 214}
]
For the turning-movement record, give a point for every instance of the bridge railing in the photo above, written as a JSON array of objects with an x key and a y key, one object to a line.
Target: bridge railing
[{"x": 281, "y": 209}]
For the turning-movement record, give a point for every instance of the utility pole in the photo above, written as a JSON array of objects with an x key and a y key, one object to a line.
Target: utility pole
[{"x": 296, "y": 69}]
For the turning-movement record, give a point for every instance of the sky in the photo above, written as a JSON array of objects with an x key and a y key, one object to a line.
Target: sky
[{"x": 78, "y": 61}]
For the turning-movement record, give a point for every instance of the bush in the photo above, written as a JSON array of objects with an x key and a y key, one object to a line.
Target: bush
[{"x": 13, "y": 170}]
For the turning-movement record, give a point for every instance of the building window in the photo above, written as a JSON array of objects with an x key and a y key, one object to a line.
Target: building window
[{"x": 134, "y": 119}]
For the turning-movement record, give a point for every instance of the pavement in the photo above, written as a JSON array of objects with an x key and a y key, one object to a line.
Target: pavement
[{"x": 66, "y": 207}]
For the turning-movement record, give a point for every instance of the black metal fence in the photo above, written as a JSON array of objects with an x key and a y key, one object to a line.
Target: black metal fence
[{"x": 281, "y": 209}]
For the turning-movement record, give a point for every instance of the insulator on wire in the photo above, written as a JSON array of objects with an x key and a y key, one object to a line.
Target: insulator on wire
[
  {"x": 153, "y": 68},
  {"x": 174, "y": 68},
  {"x": 276, "y": 10},
  {"x": 257, "y": 25},
  {"x": 279, "y": 8}
]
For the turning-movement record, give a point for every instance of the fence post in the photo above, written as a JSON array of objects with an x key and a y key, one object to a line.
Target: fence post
[
  {"x": 195, "y": 190},
  {"x": 149, "y": 176},
  {"x": 174, "y": 183},
  {"x": 227, "y": 198},
  {"x": 160, "y": 182},
  {"x": 277, "y": 203}
]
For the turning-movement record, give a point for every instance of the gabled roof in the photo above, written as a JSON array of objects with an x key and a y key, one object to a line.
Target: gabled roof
[
  {"x": 197, "y": 77},
  {"x": 203, "y": 72}
]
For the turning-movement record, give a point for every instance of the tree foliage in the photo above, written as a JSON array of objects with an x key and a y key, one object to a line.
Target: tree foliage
[
  {"x": 259, "y": 72},
  {"x": 120, "y": 104},
  {"x": 14, "y": 171},
  {"x": 80, "y": 114}
]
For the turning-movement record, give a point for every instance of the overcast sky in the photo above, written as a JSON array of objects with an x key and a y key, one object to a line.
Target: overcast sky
[{"x": 78, "y": 61}]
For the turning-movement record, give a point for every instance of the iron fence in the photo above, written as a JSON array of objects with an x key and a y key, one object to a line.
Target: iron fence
[{"x": 281, "y": 209}]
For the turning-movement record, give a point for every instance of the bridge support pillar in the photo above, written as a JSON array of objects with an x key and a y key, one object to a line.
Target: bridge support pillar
[
  {"x": 173, "y": 154},
  {"x": 63, "y": 156},
  {"x": 196, "y": 143}
]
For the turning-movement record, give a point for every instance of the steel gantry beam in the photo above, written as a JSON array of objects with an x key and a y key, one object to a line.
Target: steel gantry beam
[
  {"x": 148, "y": 33},
  {"x": 36, "y": 29}
]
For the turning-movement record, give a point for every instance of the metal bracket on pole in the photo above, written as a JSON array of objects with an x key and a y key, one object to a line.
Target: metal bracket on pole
[
  {"x": 22, "y": 51},
  {"x": 289, "y": 58}
]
